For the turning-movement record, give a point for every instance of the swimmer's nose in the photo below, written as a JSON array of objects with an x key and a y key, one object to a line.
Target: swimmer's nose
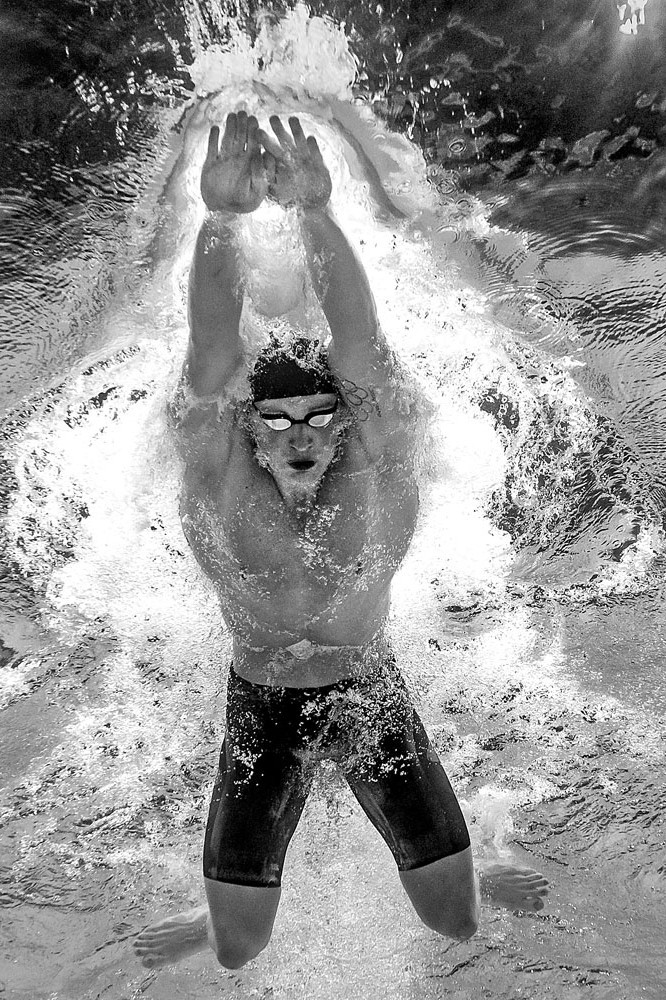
[{"x": 301, "y": 437}]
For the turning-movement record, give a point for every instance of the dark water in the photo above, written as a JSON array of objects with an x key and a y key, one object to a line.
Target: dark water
[{"x": 530, "y": 627}]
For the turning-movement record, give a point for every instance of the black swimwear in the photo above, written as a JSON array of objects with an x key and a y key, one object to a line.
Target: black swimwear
[{"x": 275, "y": 737}]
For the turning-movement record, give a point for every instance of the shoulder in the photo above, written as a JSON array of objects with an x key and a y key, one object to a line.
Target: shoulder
[{"x": 388, "y": 462}]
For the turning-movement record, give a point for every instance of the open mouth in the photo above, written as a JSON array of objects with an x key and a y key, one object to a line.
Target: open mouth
[{"x": 302, "y": 465}]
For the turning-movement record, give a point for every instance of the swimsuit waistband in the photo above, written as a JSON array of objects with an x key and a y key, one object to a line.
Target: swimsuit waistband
[
  {"x": 308, "y": 664},
  {"x": 303, "y": 649}
]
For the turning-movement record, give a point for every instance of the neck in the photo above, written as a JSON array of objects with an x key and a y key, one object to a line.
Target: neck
[{"x": 299, "y": 500}]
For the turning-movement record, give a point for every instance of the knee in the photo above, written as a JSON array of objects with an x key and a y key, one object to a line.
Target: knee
[
  {"x": 237, "y": 953},
  {"x": 460, "y": 926},
  {"x": 235, "y": 956},
  {"x": 464, "y": 928}
]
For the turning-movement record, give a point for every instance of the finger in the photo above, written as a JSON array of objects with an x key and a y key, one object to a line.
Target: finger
[
  {"x": 270, "y": 145},
  {"x": 229, "y": 133},
  {"x": 252, "y": 134},
  {"x": 298, "y": 133},
  {"x": 314, "y": 150},
  {"x": 283, "y": 174},
  {"x": 258, "y": 174},
  {"x": 241, "y": 130},
  {"x": 213, "y": 144},
  {"x": 257, "y": 170},
  {"x": 270, "y": 166},
  {"x": 283, "y": 136}
]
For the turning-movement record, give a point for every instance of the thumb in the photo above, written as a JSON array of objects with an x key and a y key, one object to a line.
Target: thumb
[
  {"x": 258, "y": 172},
  {"x": 270, "y": 167}
]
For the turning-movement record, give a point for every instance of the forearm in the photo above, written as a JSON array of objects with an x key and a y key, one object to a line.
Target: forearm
[
  {"x": 338, "y": 278},
  {"x": 215, "y": 291},
  {"x": 215, "y": 306}
]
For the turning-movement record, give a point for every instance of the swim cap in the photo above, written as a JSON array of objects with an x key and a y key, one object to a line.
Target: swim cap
[{"x": 299, "y": 368}]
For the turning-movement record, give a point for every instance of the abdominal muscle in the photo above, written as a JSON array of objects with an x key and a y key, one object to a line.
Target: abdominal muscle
[{"x": 311, "y": 663}]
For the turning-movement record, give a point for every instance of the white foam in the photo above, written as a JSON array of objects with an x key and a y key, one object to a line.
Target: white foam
[
  {"x": 308, "y": 55},
  {"x": 123, "y": 569}
]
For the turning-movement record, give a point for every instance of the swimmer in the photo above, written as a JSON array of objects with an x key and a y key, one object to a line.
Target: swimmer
[{"x": 300, "y": 501}]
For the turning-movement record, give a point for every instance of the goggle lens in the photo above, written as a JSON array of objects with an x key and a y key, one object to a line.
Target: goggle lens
[
  {"x": 284, "y": 423},
  {"x": 277, "y": 423},
  {"x": 320, "y": 419}
]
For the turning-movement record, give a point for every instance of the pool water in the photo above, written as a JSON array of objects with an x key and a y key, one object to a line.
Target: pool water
[{"x": 528, "y": 618}]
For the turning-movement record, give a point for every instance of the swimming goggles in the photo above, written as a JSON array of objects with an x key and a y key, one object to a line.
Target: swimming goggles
[{"x": 281, "y": 422}]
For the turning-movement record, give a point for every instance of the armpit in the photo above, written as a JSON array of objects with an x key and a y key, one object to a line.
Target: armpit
[
  {"x": 201, "y": 427},
  {"x": 361, "y": 400}
]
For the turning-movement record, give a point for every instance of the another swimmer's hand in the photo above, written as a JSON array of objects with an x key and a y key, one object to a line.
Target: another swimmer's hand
[
  {"x": 295, "y": 169},
  {"x": 233, "y": 178}
]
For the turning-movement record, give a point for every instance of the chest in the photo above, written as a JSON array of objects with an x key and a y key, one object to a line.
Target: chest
[
  {"x": 344, "y": 527},
  {"x": 359, "y": 528}
]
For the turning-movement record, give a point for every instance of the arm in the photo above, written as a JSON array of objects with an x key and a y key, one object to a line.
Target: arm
[
  {"x": 233, "y": 181},
  {"x": 342, "y": 287},
  {"x": 214, "y": 307},
  {"x": 359, "y": 354}
]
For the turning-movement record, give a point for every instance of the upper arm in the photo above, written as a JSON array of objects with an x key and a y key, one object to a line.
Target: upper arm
[
  {"x": 379, "y": 394},
  {"x": 203, "y": 432},
  {"x": 208, "y": 371}
]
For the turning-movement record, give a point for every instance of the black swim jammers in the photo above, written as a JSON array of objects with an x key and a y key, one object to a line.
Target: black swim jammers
[{"x": 276, "y": 736}]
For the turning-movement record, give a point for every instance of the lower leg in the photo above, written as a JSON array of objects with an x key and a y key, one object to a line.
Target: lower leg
[
  {"x": 444, "y": 895},
  {"x": 240, "y": 920},
  {"x": 236, "y": 924}
]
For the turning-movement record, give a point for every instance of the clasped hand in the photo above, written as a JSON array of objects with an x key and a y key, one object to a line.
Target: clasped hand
[{"x": 248, "y": 165}]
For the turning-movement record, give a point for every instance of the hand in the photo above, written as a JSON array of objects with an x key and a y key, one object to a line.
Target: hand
[
  {"x": 295, "y": 170},
  {"x": 233, "y": 179}
]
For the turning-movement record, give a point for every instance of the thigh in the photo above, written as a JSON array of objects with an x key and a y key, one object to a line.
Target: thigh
[
  {"x": 259, "y": 794},
  {"x": 406, "y": 794}
]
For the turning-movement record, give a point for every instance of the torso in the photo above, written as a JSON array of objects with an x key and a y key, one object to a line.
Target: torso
[{"x": 305, "y": 596}]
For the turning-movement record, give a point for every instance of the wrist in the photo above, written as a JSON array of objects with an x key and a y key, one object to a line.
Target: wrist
[
  {"x": 221, "y": 217},
  {"x": 314, "y": 211},
  {"x": 218, "y": 205}
]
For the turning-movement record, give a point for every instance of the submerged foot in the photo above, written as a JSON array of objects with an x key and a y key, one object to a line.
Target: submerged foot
[
  {"x": 173, "y": 938},
  {"x": 513, "y": 887}
]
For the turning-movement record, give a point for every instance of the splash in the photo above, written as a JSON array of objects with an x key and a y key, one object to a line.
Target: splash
[
  {"x": 308, "y": 55},
  {"x": 94, "y": 522}
]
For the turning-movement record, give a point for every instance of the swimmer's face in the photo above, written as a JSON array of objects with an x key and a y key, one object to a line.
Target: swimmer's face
[{"x": 297, "y": 436}]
